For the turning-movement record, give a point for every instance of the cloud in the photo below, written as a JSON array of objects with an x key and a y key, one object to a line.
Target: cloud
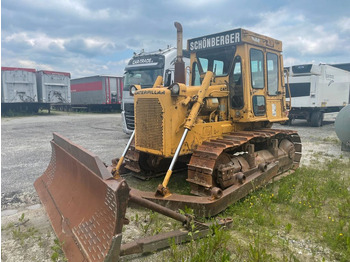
[
  {"x": 198, "y": 3},
  {"x": 98, "y": 37},
  {"x": 344, "y": 24},
  {"x": 303, "y": 39},
  {"x": 89, "y": 46}
]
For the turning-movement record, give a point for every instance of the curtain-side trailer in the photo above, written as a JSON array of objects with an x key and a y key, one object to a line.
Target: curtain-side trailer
[
  {"x": 315, "y": 90},
  {"x": 97, "y": 92}
]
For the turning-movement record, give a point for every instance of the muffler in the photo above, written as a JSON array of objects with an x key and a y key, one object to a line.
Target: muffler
[{"x": 179, "y": 64}]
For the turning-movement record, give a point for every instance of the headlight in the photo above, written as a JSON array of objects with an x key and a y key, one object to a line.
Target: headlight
[
  {"x": 133, "y": 89},
  {"x": 175, "y": 89}
]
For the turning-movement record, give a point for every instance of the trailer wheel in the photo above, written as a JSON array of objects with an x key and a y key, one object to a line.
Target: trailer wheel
[{"x": 316, "y": 118}]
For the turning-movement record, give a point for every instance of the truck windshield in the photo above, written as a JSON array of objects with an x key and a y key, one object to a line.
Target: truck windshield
[{"x": 144, "y": 77}]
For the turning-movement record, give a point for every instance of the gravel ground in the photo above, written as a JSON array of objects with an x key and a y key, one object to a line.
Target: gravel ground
[
  {"x": 26, "y": 151},
  {"x": 25, "y": 154}
]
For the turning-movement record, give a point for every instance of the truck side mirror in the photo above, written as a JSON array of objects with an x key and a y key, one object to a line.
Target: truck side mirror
[{"x": 168, "y": 77}]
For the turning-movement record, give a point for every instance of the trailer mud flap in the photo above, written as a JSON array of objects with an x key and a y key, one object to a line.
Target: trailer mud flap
[{"x": 86, "y": 206}]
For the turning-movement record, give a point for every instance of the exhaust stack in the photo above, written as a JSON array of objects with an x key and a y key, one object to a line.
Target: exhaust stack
[{"x": 179, "y": 64}]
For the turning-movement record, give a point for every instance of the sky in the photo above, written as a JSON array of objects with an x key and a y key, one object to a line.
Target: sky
[{"x": 89, "y": 37}]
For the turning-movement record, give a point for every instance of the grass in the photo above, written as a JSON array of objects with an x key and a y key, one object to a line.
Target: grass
[
  {"x": 15, "y": 113},
  {"x": 211, "y": 248},
  {"x": 305, "y": 216},
  {"x": 332, "y": 140},
  {"x": 302, "y": 217},
  {"x": 57, "y": 254},
  {"x": 25, "y": 235}
]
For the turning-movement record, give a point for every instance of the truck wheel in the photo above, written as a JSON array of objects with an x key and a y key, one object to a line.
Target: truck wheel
[
  {"x": 288, "y": 122},
  {"x": 316, "y": 118}
]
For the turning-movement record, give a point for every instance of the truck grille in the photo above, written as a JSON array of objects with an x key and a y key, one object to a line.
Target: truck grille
[
  {"x": 149, "y": 123},
  {"x": 129, "y": 116}
]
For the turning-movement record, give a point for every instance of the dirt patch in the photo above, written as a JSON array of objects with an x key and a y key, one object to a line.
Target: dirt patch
[{"x": 18, "y": 199}]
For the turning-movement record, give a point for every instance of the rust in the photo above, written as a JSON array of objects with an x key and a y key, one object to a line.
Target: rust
[
  {"x": 87, "y": 206},
  {"x": 204, "y": 161},
  {"x": 86, "y": 224}
]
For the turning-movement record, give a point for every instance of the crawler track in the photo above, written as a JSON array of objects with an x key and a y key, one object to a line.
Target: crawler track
[
  {"x": 204, "y": 158},
  {"x": 203, "y": 165}
]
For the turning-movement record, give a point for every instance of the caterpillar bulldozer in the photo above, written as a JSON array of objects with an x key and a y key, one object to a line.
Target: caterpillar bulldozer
[{"x": 219, "y": 127}]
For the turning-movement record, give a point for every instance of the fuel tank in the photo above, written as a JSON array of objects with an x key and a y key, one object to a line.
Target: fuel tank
[{"x": 342, "y": 128}]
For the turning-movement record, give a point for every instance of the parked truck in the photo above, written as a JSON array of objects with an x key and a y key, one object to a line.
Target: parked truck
[
  {"x": 101, "y": 92},
  {"x": 316, "y": 90},
  {"x": 143, "y": 69}
]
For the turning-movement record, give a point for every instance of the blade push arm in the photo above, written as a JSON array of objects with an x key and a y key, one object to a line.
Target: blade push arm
[{"x": 191, "y": 119}]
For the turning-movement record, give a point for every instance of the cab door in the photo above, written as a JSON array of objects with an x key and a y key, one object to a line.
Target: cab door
[
  {"x": 274, "y": 101},
  {"x": 257, "y": 83}
]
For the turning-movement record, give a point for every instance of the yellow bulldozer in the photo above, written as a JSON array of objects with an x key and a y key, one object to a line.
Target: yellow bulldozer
[{"x": 218, "y": 127}]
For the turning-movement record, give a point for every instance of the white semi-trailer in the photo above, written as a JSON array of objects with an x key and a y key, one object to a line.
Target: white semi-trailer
[
  {"x": 53, "y": 87},
  {"x": 315, "y": 90},
  {"x": 143, "y": 69}
]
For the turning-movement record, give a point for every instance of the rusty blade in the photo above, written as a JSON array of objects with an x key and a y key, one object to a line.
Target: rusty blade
[{"x": 85, "y": 205}]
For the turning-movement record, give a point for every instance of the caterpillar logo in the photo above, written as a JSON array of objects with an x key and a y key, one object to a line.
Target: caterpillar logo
[{"x": 150, "y": 92}]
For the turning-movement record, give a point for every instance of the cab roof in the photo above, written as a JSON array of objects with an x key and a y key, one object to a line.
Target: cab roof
[{"x": 230, "y": 38}]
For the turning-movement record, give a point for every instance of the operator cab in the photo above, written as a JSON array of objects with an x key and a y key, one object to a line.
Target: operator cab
[{"x": 250, "y": 65}]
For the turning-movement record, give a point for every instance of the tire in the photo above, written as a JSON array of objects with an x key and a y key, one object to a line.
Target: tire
[
  {"x": 288, "y": 122},
  {"x": 316, "y": 118}
]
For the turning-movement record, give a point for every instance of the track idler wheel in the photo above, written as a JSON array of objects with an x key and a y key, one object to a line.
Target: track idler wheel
[
  {"x": 216, "y": 192},
  {"x": 288, "y": 147}
]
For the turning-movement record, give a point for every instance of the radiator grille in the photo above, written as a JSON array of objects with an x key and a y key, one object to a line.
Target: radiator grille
[
  {"x": 129, "y": 116},
  {"x": 149, "y": 123}
]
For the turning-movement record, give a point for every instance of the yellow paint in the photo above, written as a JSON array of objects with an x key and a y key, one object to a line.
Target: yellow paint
[
  {"x": 117, "y": 168},
  {"x": 166, "y": 178},
  {"x": 213, "y": 120}
]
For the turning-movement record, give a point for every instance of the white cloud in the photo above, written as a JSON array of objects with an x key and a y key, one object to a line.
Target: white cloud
[
  {"x": 198, "y": 3},
  {"x": 88, "y": 37},
  {"x": 344, "y": 24},
  {"x": 36, "y": 40},
  {"x": 302, "y": 38},
  {"x": 32, "y": 64}
]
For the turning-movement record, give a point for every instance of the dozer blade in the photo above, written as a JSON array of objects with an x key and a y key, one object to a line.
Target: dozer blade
[{"x": 86, "y": 206}]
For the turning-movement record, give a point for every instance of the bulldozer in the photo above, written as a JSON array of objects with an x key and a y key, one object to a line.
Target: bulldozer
[{"x": 218, "y": 128}]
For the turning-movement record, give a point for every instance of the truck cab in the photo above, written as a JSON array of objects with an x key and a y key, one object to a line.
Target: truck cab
[{"x": 143, "y": 70}]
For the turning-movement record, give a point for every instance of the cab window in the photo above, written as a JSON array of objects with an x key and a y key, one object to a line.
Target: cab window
[
  {"x": 218, "y": 68},
  {"x": 236, "y": 85},
  {"x": 257, "y": 68},
  {"x": 195, "y": 75},
  {"x": 259, "y": 105},
  {"x": 272, "y": 74},
  {"x": 218, "y": 61}
]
